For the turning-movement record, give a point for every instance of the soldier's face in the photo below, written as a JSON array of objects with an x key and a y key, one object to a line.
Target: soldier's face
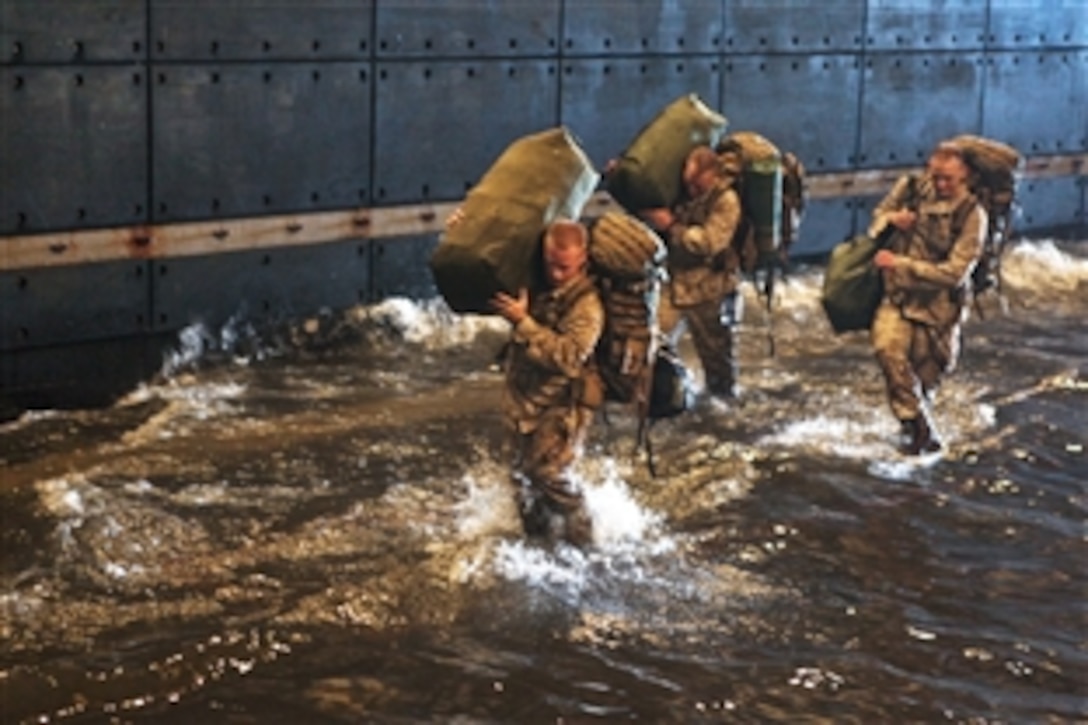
[
  {"x": 949, "y": 176},
  {"x": 563, "y": 265}
]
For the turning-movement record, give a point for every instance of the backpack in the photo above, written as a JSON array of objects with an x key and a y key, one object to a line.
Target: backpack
[
  {"x": 627, "y": 262},
  {"x": 995, "y": 169},
  {"x": 771, "y": 187}
]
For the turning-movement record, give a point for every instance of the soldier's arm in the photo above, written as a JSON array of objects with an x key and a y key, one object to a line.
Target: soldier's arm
[
  {"x": 962, "y": 257},
  {"x": 897, "y": 199},
  {"x": 715, "y": 234},
  {"x": 566, "y": 349}
]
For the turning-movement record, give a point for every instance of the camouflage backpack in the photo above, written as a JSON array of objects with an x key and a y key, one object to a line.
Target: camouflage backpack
[
  {"x": 627, "y": 261},
  {"x": 995, "y": 169}
]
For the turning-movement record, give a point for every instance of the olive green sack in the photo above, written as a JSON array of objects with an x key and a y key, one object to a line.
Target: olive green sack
[
  {"x": 852, "y": 286},
  {"x": 495, "y": 246},
  {"x": 648, "y": 174}
]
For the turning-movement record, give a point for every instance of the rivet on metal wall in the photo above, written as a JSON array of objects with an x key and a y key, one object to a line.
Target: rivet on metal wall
[
  {"x": 315, "y": 46},
  {"x": 77, "y": 49},
  {"x": 214, "y": 47},
  {"x": 679, "y": 67},
  {"x": 23, "y": 282},
  {"x": 513, "y": 43},
  {"x": 471, "y": 44},
  {"x": 511, "y": 72},
  {"x": 607, "y": 42},
  {"x": 137, "y": 79},
  {"x": 16, "y": 51},
  {"x": 316, "y": 75},
  {"x": 19, "y": 82}
]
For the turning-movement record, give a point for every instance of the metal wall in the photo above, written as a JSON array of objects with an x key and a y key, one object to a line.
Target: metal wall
[{"x": 147, "y": 112}]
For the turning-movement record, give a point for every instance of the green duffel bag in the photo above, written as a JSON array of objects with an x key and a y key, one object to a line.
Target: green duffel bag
[
  {"x": 648, "y": 174},
  {"x": 852, "y": 286},
  {"x": 495, "y": 246}
]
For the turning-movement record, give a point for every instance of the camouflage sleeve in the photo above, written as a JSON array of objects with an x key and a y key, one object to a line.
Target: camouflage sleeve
[
  {"x": 895, "y": 200},
  {"x": 962, "y": 257},
  {"x": 716, "y": 233},
  {"x": 566, "y": 348}
]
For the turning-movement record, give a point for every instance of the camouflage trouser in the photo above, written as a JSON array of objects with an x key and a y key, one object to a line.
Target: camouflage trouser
[
  {"x": 712, "y": 338},
  {"x": 913, "y": 357},
  {"x": 542, "y": 460}
]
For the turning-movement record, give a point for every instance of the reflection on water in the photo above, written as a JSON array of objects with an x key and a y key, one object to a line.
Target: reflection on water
[{"x": 316, "y": 526}]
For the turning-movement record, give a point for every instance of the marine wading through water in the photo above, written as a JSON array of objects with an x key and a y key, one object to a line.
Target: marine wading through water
[
  {"x": 852, "y": 286},
  {"x": 495, "y": 244}
]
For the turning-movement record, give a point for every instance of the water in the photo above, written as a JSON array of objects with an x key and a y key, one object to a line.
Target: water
[{"x": 312, "y": 525}]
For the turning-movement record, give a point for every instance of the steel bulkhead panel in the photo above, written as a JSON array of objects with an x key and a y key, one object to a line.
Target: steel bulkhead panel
[
  {"x": 915, "y": 100},
  {"x": 826, "y": 222},
  {"x": 56, "y": 305},
  {"x": 73, "y": 147},
  {"x": 759, "y": 26},
  {"x": 440, "y": 125},
  {"x": 400, "y": 267},
  {"x": 259, "y": 285},
  {"x": 1050, "y": 203},
  {"x": 908, "y": 25},
  {"x": 247, "y": 139},
  {"x": 72, "y": 31},
  {"x": 476, "y": 28},
  {"x": 260, "y": 30},
  {"x": 607, "y": 102},
  {"x": 1037, "y": 117},
  {"x": 1025, "y": 24},
  {"x": 596, "y": 27},
  {"x": 807, "y": 104}
]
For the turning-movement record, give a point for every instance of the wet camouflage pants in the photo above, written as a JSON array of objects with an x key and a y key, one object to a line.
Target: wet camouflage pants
[
  {"x": 712, "y": 338},
  {"x": 912, "y": 356},
  {"x": 542, "y": 458}
]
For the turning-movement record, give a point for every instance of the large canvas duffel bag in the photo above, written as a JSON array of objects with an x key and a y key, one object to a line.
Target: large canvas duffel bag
[
  {"x": 852, "y": 286},
  {"x": 648, "y": 173},
  {"x": 495, "y": 245}
]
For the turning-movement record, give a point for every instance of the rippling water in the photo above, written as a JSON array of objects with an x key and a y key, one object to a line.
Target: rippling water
[{"x": 313, "y": 525}]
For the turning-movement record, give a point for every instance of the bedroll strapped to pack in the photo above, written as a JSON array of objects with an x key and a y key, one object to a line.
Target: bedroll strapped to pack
[
  {"x": 628, "y": 263},
  {"x": 995, "y": 170},
  {"x": 496, "y": 244},
  {"x": 648, "y": 173}
]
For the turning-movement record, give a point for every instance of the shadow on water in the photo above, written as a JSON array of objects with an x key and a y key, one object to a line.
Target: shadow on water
[{"x": 316, "y": 527}]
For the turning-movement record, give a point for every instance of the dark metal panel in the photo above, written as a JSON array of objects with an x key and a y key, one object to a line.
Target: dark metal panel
[
  {"x": 936, "y": 25},
  {"x": 1036, "y": 115},
  {"x": 805, "y": 104},
  {"x": 607, "y": 102},
  {"x": 240, "y": 139},
  {"x": 1049, "y": 203},
  {"x": 758, "y": 26},
  {"x": 73, "y": 147},
  {"x": 826, "y": 223},
  {"x": 72, "y": 304},
  {"x": 913, "y": 101},
  {"x": 400, "y": 267},
  {"x": 440, "y": 125},
  {"x": 78, "y": 375},
  {"x": 653, "y": 26},
  {"x": 270, "y": 284},
  {"x": 71, "y": 31},
  {"x": 1027, "y": 24},
  {"x": 416, "y": 28},
  {"x": 263, "y": 30}
]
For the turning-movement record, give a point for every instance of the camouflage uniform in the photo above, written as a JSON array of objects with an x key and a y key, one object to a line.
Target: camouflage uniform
[
  {"x": 544, "y": 405},
  {"x": 702, "y": 274},
  {"x": 916, "y": 330}
]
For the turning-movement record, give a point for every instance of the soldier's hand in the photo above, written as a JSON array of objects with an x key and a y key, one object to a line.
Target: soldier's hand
[
  {"x": 455, "y": 218},
  {"x": 514, "y": 309},
  {"x": 885, "y": 259},
  {"x": 902, "y": 219},
  {"x": 660, "y": 218}
]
